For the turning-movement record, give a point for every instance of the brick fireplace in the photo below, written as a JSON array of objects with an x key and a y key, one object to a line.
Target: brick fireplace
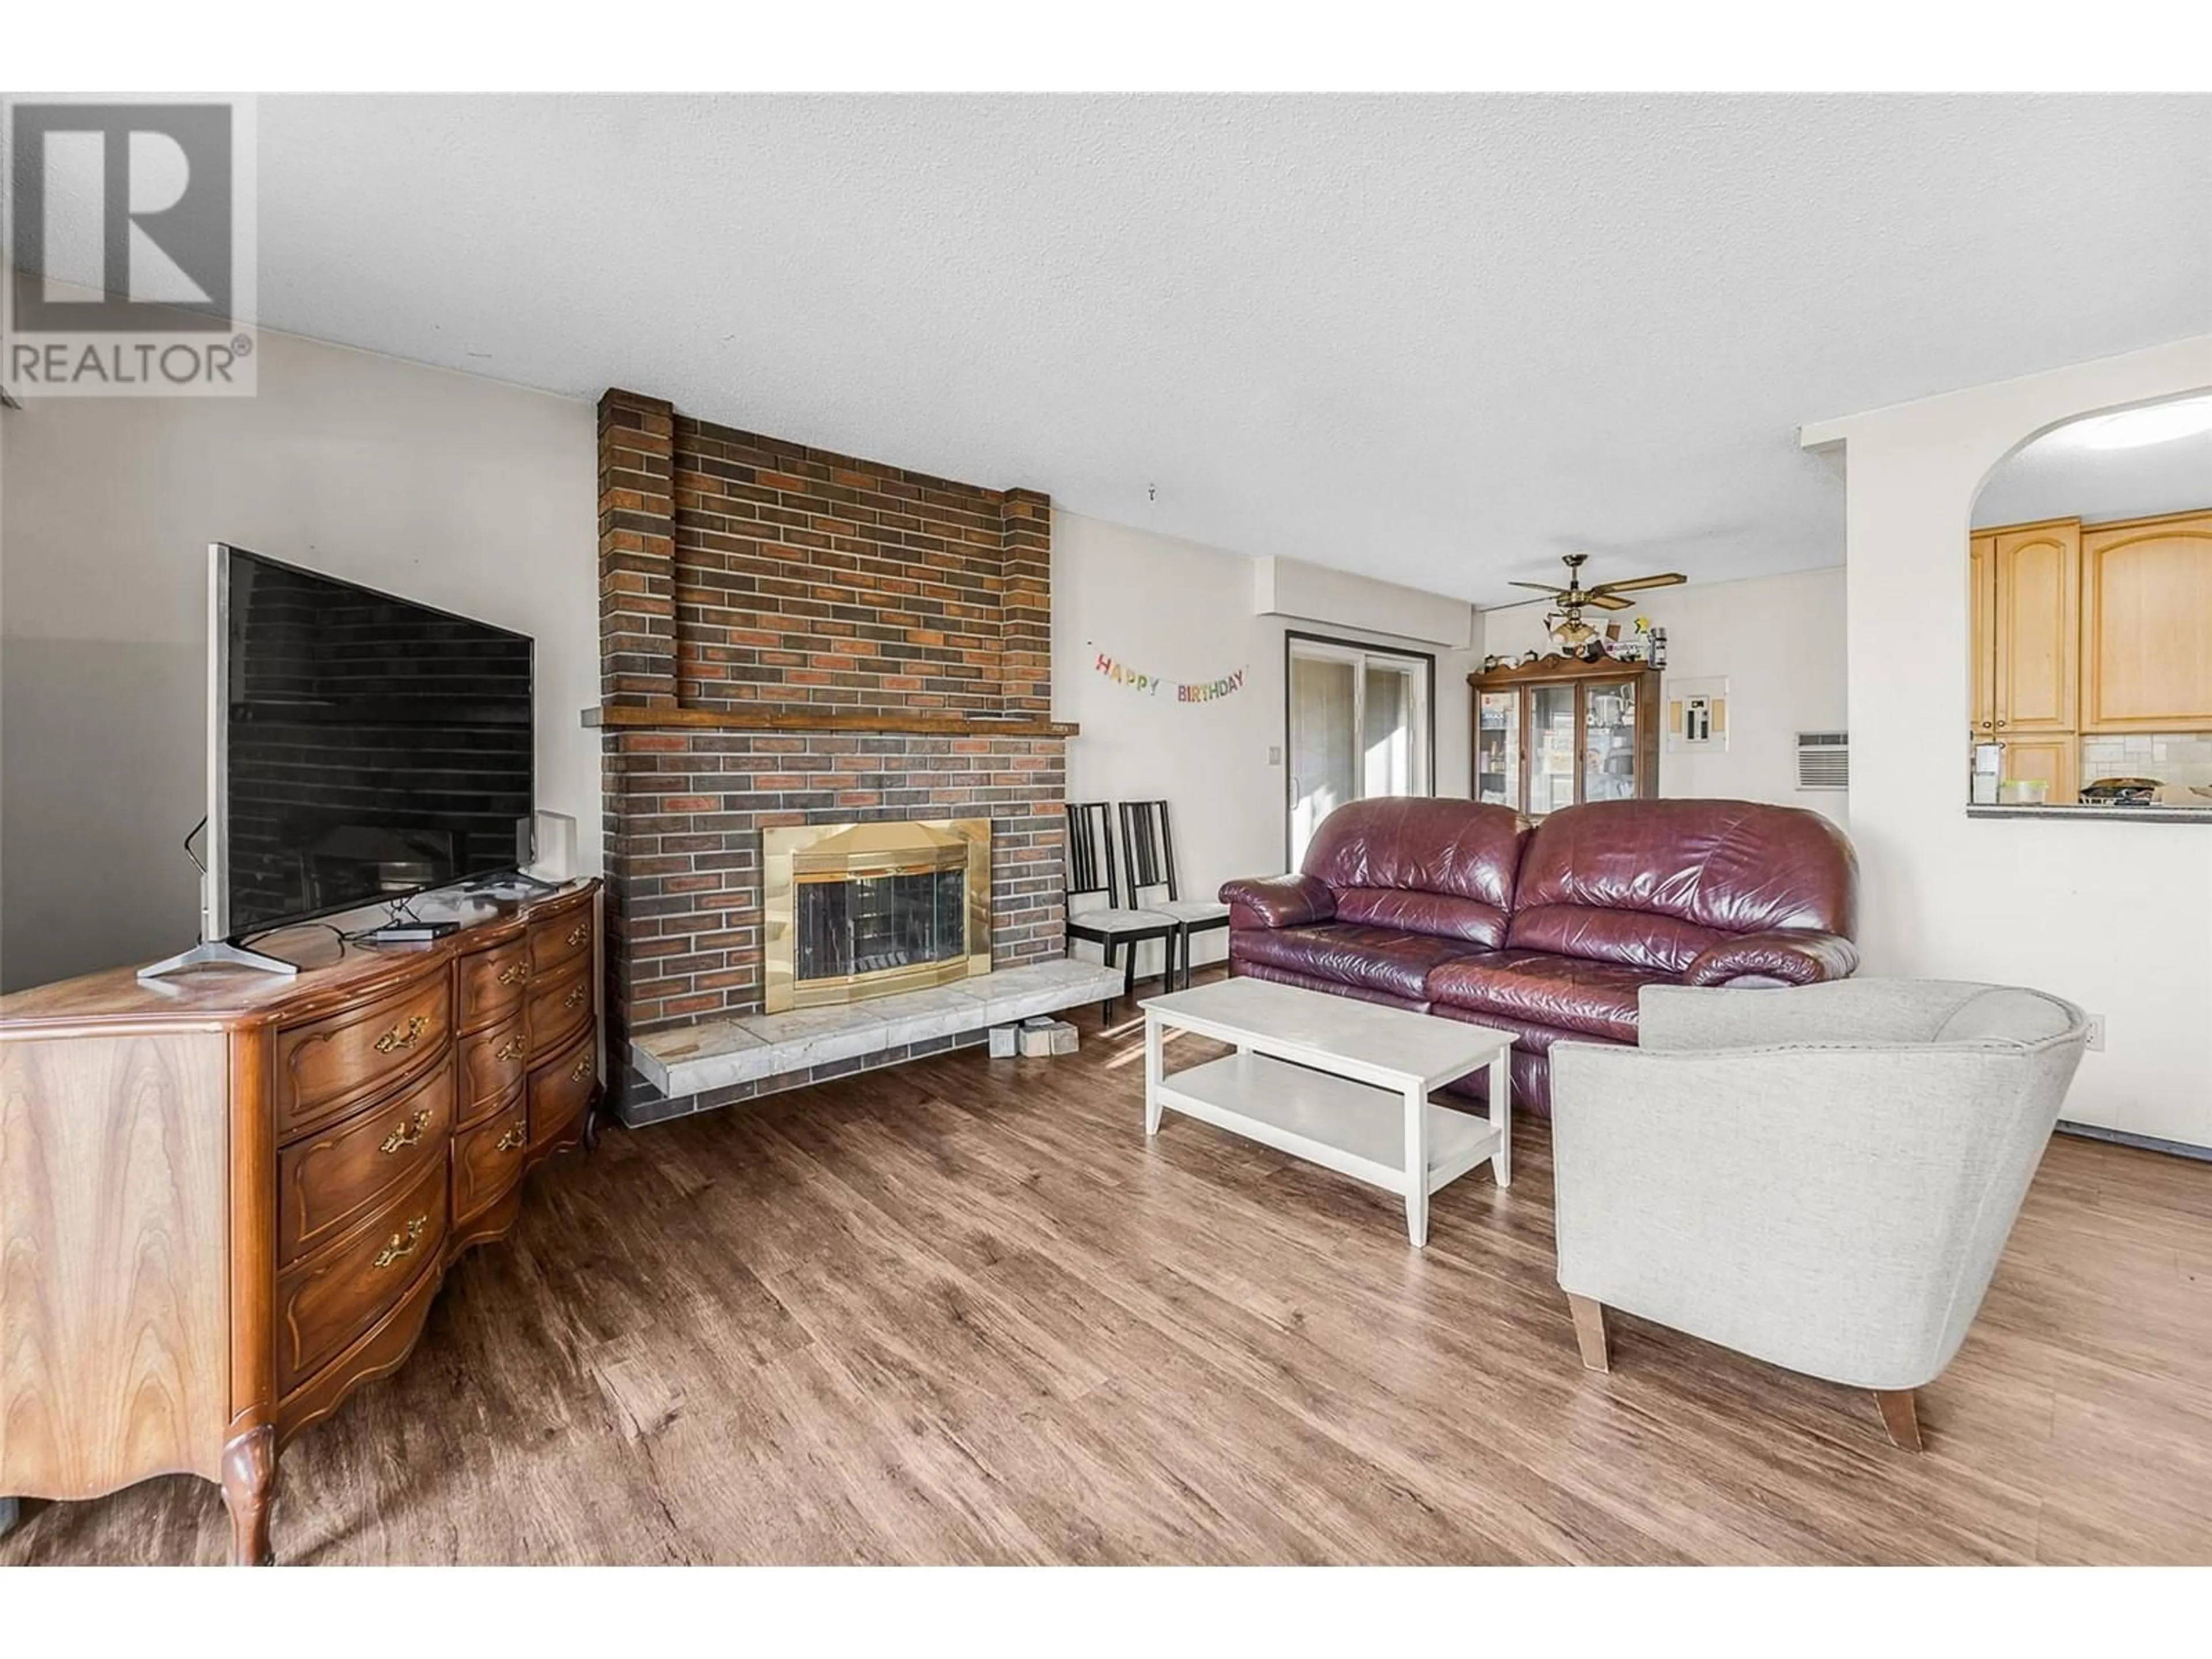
[{"x": 789, "y": 637}]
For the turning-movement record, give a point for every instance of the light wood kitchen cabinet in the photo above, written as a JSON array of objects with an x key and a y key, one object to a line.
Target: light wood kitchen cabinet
[
  {"x": 2034, "y": 628},
  {"x": 2147, "y": 625},
  {"x": 2053, "y": 760},
  {"x": 1981, "y": 688}
]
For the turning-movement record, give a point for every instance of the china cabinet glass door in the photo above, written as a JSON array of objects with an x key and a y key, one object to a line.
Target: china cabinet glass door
[
  {"x": 1498, "y": 748},
  {"x": 1609, "y": 741},
  {"x": 1554, "y": 748}
]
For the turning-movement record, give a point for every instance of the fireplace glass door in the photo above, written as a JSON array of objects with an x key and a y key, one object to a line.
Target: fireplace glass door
[
  {"x": 855, "y": 910},
  {"x": 868, "y": 924}
]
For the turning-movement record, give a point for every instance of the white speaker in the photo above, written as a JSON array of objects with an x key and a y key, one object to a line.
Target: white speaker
[{"x": 553, "y": 841}]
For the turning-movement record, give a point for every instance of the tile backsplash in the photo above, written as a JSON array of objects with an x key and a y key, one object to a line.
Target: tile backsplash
[{"x": 2179, "y": 759}]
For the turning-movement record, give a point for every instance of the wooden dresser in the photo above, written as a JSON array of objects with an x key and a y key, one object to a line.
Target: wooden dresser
[{"x": 227, "y": 1199}]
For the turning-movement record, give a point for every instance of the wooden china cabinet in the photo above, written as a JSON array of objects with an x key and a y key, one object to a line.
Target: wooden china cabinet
[{"x": 1559, "y": 731}]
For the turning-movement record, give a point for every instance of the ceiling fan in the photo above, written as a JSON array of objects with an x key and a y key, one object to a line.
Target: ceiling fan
[{"x": 1566, "y": 624}]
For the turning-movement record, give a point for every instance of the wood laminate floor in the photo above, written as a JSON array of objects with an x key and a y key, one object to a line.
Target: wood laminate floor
[{"x": 962, "y": 1311}]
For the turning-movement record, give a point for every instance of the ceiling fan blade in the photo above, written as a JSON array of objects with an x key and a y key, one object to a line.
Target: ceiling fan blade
[
  {"x": 1611, "y": 601},
  {"x": 1634, "y": 583},
  {"x": 1541, "y": 588}
]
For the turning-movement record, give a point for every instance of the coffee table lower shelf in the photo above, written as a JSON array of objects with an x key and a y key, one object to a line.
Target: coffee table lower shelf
[{"x": 1356, "y": 1129}]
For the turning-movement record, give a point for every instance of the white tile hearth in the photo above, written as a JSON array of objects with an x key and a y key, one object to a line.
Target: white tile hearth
[{"x": 690, "y": 1060}]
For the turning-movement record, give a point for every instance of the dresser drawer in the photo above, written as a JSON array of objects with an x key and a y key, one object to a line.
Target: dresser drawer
[
  {"x": 559, "y": 940},
  {"x": 326, "y": 1181},
  {"x": 492, "y": 1064},
  {"x": 490, "y": 984},
  {"x": 561, "y": 1089},
  {"x": 556, "y": 1006},
  {"x": 327, "y": 1299},
  {"x": 488, "y": 1159},
  {"x": 328, "y": 1065}
]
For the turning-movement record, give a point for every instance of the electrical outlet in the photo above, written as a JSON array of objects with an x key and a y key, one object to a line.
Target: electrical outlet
[
  {"x": 1274, "y": 754},
  {"x": 2097, "y": 1032}
]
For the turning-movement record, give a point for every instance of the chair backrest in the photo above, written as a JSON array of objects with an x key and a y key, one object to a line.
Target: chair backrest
[
  {"x": 1089, "y": 866},
  {"x": 1147, "y": 848}
]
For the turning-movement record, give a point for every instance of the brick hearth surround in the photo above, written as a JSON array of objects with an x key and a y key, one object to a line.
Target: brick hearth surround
[{"x": 786, "y": 636}]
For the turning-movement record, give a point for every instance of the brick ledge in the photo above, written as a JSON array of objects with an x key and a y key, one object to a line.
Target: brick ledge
[{"x": 691, "y": 1059}]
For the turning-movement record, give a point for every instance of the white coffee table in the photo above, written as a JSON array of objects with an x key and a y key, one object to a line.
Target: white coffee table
[{"x": 1337, "y": 1082}]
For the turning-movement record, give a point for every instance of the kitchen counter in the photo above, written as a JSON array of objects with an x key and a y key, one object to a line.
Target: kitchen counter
[{"x": 2127, "y": 814}]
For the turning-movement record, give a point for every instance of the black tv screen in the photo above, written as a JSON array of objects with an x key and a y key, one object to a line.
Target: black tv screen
[{"x": 366, "y": 747}]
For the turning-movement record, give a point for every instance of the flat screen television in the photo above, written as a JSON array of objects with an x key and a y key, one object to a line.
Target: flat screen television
[{"x": 361, "y": 747}]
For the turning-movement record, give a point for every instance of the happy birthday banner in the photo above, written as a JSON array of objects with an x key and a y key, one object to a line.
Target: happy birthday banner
[{"x": 1150, "y": 684}]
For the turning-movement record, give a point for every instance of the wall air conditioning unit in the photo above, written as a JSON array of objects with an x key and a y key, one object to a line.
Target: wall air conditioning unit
[{"x": 1824, "y": 760}]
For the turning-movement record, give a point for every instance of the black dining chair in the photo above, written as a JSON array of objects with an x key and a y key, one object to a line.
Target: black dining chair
[
  {"x": 1089, "y": 868},
  {"x": 1149, "y": 862}
]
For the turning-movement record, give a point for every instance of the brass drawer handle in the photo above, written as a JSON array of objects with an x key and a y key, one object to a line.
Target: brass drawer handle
[
  {"x": 576, "y": 995},
  {"x": 408, "y": 1134},
  {"x": 511, "y": 1048},
  {"x": 403, "y": 1037},
  {"x": 514, "y": 973},
  {"x": 579, "y": 933},
  {"x": 514, "y": 1138},
  {"x": 581, "y": 1069},
  {"x": 402, "y": 1244}
]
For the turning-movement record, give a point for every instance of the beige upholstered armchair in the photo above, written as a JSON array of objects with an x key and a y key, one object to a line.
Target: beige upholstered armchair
[{"x": 1821, "y": 1177}]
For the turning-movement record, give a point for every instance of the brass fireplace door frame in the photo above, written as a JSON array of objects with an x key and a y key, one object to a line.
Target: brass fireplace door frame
[{"x": 845, "y": 852}]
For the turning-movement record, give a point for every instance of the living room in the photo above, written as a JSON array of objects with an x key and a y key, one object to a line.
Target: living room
[{"x": 1115, "y": 829}]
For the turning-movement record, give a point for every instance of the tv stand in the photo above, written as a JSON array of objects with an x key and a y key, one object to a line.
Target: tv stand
[
  {"x": 245, "y": 1190},
  {"x": 218, "y": 953}
]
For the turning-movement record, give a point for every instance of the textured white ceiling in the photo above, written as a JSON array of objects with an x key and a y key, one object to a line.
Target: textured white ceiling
[
  {"x": 1436, "y": 339},
  {"x": 2060, "y": 477}
]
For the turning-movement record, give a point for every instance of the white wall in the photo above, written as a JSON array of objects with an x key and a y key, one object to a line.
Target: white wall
[
  {"x": 1778, "y": 640},
  {"x": 463, "y": 492},
  {"x": 1186, "y": 612},
  {"x": 2116, "y": 916}
]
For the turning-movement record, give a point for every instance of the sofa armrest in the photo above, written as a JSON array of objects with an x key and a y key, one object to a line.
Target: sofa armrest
[
  {"x": 1784, "y": 956},
  {"x": 1293, "y": 901}
]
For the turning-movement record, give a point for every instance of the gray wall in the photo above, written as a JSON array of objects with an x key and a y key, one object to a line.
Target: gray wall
[{"x": 463, "y": 492}]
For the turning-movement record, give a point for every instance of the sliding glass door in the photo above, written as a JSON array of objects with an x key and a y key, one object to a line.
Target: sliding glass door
[{"x": 1358, "y": 728}]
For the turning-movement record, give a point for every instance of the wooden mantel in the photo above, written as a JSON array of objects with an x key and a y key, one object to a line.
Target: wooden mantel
[{"x": 636, "y": 717}]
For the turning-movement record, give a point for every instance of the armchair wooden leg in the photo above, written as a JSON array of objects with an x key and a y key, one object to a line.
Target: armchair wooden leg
[
  {"x": 1900, "y": 1417},
  {"x": 1589, "y": 1332}
]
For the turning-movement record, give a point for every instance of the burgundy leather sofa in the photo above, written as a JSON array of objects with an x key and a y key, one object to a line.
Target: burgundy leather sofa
[{"x": 1549, "y": 930}]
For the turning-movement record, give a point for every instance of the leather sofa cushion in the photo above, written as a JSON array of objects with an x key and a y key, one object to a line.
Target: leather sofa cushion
[
  {"x": 1306, "y": 981},
  {"x": 1537, "y": 988},
  {"x": 1652, "y": 883},
  {"x": 1412, "y": 847},
  {"x": 1441, "y": 914},
  {"x": 1385, "y": 959},
  {"x": 1635, "y": 938}
]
